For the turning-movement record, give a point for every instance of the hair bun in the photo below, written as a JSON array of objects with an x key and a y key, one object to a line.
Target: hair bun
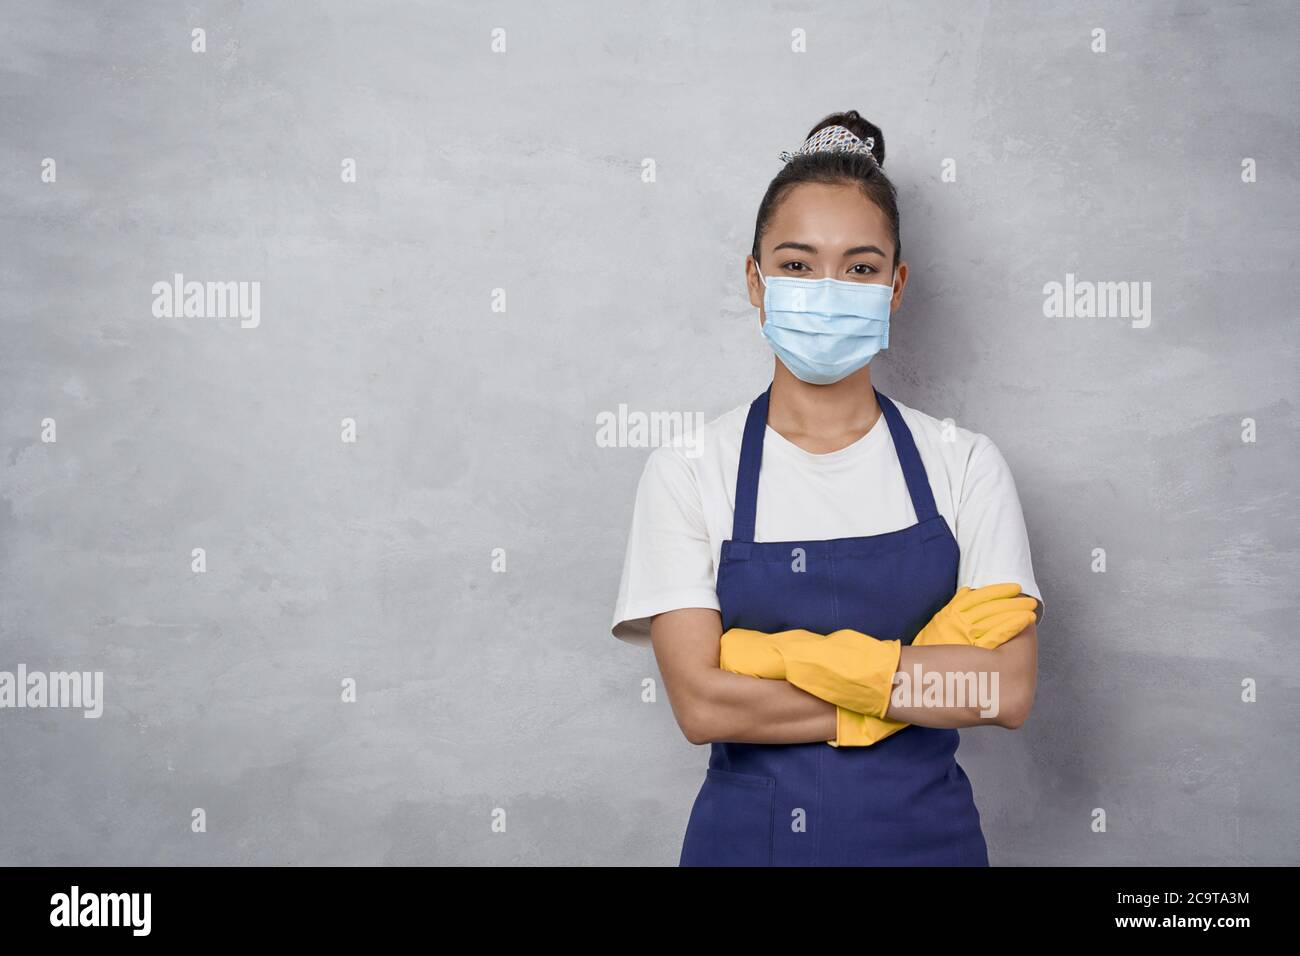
[{"x": 852, "y": 121}]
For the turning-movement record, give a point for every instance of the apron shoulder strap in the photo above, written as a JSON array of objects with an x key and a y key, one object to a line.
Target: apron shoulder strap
[
  {"x": 751, "y": 459},
  {"x": 918, "y": 485}
]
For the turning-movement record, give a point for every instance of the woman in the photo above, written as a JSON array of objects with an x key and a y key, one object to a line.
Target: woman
[{"x": 879, "y": 540}]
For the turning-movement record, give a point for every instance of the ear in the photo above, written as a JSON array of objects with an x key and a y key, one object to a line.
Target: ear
[
  {"x": 899, "y": 285},
  {"x": 753, "y": 283}
]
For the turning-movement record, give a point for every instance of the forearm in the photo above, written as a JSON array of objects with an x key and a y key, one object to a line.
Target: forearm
[
  {"x": 958, "y": 686},
  {"x": 731, "y": 707},
  {"x": 711, "y": 704}
]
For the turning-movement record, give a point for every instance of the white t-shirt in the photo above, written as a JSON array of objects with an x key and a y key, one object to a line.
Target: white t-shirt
[{"x": 686, "y": 496}]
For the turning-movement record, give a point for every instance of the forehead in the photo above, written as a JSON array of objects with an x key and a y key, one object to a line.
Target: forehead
[{"x": 828, "y": 216}]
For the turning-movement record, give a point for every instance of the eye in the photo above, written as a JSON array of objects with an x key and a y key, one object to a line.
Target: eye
[
  {"x": 795, "y": 262},
  {"x": 871, "y": 270}
]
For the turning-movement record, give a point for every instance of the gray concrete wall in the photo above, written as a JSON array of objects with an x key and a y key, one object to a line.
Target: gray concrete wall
[{"x": 479, "y": 691}]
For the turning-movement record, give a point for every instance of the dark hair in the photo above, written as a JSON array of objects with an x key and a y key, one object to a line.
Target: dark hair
[{"x": 837, "y": 167}]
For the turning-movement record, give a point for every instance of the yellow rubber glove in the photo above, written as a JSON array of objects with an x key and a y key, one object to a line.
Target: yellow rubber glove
[
  {"x": 985, "y": 617},
  {"x": 756, "y": 654},
  {"x": 861, "y": 730},
  {"x": 845, "y": 667}
]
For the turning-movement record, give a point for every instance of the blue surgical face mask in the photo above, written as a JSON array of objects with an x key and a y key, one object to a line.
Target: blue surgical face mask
[{"x": 825, "y": 329}]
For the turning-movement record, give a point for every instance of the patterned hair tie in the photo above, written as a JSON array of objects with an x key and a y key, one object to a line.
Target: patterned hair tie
[{"x": 831, "y": 139}]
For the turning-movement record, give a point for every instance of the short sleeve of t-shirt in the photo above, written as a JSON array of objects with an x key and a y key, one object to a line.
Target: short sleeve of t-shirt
[
  {"x": 990, "y": 527},
  {"x": 669, "y": 559}
]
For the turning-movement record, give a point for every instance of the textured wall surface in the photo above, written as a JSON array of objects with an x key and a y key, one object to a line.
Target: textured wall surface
[{"x": 1169, "y": 158}]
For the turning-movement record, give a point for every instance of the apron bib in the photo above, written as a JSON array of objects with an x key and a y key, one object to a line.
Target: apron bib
[{"x": 904, "y": 801}]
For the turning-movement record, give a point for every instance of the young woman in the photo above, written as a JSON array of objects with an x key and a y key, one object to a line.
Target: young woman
[{"x": 878, "y": 540}]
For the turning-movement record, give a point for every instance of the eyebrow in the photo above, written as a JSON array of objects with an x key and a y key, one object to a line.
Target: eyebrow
[{"x": 805, "y": 247}]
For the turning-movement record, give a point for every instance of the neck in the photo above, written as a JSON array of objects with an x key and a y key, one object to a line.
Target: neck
[{"x": 822, "y": 415}]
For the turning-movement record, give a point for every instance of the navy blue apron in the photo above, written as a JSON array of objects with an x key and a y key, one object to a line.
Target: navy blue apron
[{"x": 903, "y": 801}]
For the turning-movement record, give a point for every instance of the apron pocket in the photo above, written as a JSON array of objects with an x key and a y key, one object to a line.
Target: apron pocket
[{"x": 731, "y": 821}]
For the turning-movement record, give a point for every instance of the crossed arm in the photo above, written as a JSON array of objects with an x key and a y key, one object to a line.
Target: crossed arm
[{"x": 711, "y": 704}]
